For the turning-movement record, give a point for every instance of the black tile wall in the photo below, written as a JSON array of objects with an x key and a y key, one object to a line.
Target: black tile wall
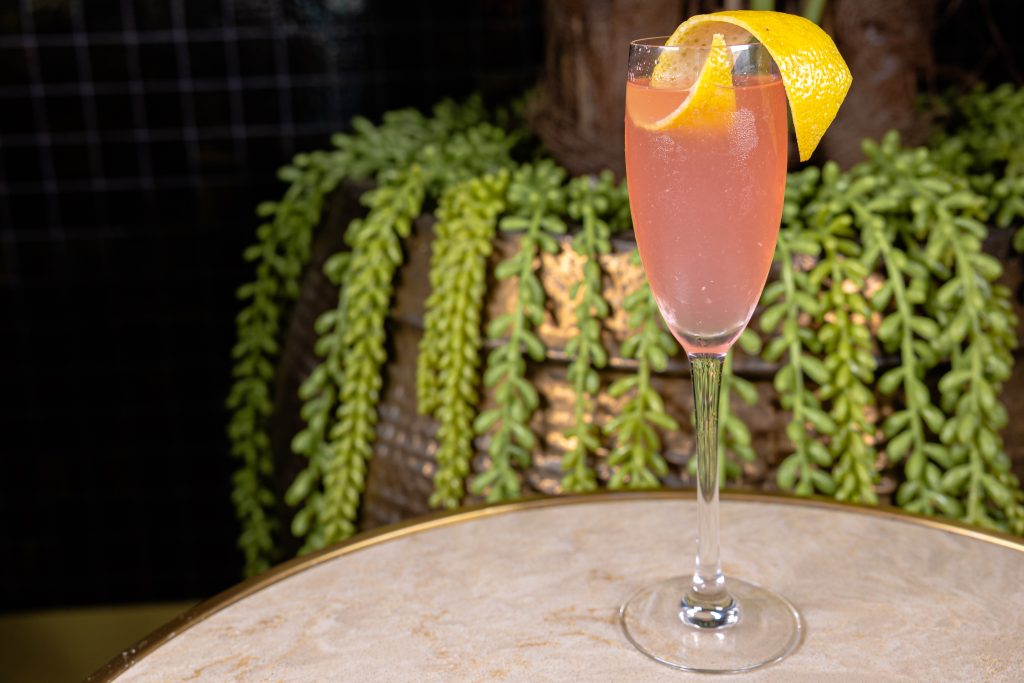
[{"x": 136, "y": 136}]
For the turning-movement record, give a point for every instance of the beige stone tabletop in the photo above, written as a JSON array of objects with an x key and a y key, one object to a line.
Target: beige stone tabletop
[{"x": 530, "y": 592}]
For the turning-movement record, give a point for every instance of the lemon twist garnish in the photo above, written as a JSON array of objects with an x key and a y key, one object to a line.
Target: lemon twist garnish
[
  {"x": 711, "y": 100},
  {"x": 813, "y": 72}
]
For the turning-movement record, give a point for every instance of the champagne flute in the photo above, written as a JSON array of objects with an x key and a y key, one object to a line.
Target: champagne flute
[{"x": 706, "y": 204}]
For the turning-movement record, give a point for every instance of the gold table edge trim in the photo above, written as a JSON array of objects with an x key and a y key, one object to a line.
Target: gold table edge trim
[{"x": 126, "y": 659}]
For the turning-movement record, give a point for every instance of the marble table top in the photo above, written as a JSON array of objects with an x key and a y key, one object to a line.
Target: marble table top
[{"x": 531, "y": 592}]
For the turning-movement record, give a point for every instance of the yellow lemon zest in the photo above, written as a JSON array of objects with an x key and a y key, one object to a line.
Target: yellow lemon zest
[
  {"x": 813, "y": 72},
  {"x": 711, "y": 99}
]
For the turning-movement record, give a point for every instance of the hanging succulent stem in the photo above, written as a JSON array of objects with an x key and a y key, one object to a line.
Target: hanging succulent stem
[
  {"x": 951, "y": 310},
  {"x": 977, "y": 466},
  {"x": 821, "y": 206},
  {"x": 850, "y": 362},
  {"x": 979, "y": 334},
  {"x": 376, "y": 253},
  {"x": 788, "y": 300},
  {"x": 482, "y": 149},
  {"x": 448, "y": 365},
  {"x": 905, "y": 429},
  {"x": 280, "y": 254},
  {"x": 341, "y": 393},
  {"x": 905, "y": 186},
  {"x": 589, "y": 200},
  {"x": 981, "y": 139},
  {"x": 636, "y": 461},
  {"x": 536, "y": 199},
  {"x": 319, "y": 391}
]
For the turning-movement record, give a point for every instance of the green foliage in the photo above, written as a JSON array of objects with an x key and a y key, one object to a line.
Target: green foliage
[
  {"x": 881, "y": 262},
  {"x": 849, "y": 360},
  {"x": 982, "y": 138},
  {"x": 790, "y": 304},
  {"x": 353, "y": 337},
  {"x": 636, "y": 460},
  {"x": 590, "y": 200},
  {"x": 319, "y": 392},
  {"x": 818, "y": 209},
  {"x": 280, "y": 254},
  {"x": 536, "y": 200},
  {"x": 976, "y": 469},
  {"x": 961, "y": 315},
  {"x": 920, "y": 227},
  {"x": 448, "y": 374},
  {"x": 403, "y": 134},
  {"x": 354, "y": 343}
]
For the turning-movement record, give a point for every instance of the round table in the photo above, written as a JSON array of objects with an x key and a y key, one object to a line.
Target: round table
[{"x": 530, "y": 591}]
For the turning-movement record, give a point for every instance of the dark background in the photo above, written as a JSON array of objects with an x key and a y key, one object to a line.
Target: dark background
[{"x": 136, "y": 136}]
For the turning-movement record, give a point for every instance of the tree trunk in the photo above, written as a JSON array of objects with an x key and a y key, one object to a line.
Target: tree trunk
[
  {"x": 888, "y": 48},
  {"x": 581, "y": 100},
  {"x": 579, "y": 106}
]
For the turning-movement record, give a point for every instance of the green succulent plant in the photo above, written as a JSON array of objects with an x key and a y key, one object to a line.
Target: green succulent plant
[
  {"x": 536, "y": 199},
  {"x": 448, "y": 372},
  {"x": 920, "y": 228},
  {"x": 592, "y": 201},
  {"x": 981, "y": 138},
  {"x": 636, "y": 460},
  {"x": 890, "y": 333}
]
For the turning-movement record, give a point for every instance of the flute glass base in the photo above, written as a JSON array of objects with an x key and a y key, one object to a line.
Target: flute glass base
[{"x": 768, "y": 629}]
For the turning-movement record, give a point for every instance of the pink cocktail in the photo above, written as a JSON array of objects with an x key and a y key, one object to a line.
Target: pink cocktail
[{"x": 706, "y": 206}]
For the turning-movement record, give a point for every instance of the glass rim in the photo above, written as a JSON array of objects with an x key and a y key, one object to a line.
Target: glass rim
[{"x": 647, "y": 43}]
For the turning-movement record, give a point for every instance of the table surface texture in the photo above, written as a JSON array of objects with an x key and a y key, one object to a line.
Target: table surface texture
[{"x": 532, "y": 592}]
